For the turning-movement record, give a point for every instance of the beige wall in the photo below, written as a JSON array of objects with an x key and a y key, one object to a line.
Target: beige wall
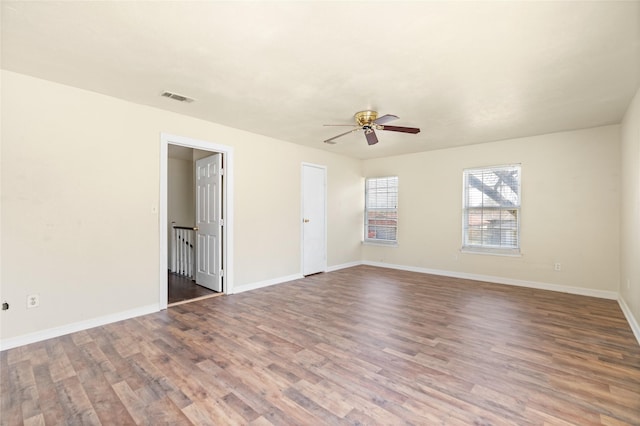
[
  {"x": 569, "y": 213},
  {"x": 180, "y": 192},
  {"x": 80, "y": 193},
  {"x": 630, "y": 211},
  {"x": 180, "y": 196}
]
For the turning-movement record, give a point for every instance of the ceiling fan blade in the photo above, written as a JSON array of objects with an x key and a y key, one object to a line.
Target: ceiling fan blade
[
  {"x": 372, "y": 139},
  {"x": 330, "y": 141},
  {"x": 413, "y": 130},
  {"x": 385, "y": 119}
]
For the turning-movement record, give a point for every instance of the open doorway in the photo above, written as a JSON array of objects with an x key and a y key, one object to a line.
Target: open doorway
[{"x": 196, "y": 205}]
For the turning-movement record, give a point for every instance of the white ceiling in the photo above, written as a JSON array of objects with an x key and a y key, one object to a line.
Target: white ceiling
[{"x": 464, "y": 72}]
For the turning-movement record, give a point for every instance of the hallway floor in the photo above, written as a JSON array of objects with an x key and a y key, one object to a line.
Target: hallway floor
[{"x": 182, "y": 288}]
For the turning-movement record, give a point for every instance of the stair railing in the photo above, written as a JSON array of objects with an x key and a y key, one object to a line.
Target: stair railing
[{"x": 183, "y": 250}]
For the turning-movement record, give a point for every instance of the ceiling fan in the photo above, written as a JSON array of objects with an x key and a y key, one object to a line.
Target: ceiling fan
[{"x": 369, "y": 122}]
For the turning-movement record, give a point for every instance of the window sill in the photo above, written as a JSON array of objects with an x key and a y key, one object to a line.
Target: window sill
[
  {"x": 491, "y": 252},
  {"x": 380, "y": 243}
]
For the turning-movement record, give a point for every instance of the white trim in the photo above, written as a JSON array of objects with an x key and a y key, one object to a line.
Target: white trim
[
  {"x": 630, "y": 318},
  {"x": 267, "y": 283},
  {"x": 380, "y": 243},
  {"x": 602, "y": 294},
  {"x": 485, "y": 251},
  {"x": 75, "y": 327},
  {"x": 163, "y": 289},
  {"x": 343, "y": 266},
  {"x": 324, "y": 169},
  {"x": 227, "y": 202}
]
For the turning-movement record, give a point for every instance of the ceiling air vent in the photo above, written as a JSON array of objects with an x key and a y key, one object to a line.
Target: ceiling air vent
[{"x": 176, "y": 97}]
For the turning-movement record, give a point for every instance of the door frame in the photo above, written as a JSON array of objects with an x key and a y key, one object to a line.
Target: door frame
[
  {"x": 324, "y": 170},
  {"x": 226, "y": 151}
]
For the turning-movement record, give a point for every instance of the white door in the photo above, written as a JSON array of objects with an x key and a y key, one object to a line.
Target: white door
[
  {"x": 209, "y": 222},
  {"x": 314, "y": 235}
]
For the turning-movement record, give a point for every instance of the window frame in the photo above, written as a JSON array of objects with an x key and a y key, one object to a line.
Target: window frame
[
  {"x": 484, "y": 248},
  {"x": 367, "y": 209}
]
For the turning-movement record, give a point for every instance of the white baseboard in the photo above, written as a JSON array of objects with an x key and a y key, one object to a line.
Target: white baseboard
[
  {"x": 266, "y": 283},
  {"x": 602, "y": 294},
  {"x": 343, "y": 266},
  {"x": 74, "y": 327},
  {"x": 633, "y": 323}
]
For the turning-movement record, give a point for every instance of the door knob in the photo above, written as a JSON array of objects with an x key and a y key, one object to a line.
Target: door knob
[{"x": 306, "y": 221}]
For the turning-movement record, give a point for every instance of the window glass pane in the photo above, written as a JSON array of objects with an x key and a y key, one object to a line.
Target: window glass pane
[
  {"x": 381, "y": 208},
  {"x": 491, "y": 208},
  {"x": 381, "y": 233},
  {"x": 496, "y": 228},
  {"x": 493, "y": 187},
  {"x": 382, "y": 193}
]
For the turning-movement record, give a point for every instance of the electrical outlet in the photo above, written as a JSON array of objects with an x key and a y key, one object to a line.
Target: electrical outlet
[
  {"x": 557, "y": 266},
  {"x": 33, "y": 301}
]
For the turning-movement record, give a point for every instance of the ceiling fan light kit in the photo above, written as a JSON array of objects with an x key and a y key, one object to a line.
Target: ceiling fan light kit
[
  {"x": 364, "y": 118},
  {"x": 368, "y": 121}
]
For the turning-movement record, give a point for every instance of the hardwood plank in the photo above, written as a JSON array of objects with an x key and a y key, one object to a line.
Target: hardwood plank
[
  {"x": 10, "y": 387},
  {"x": 104, "y": 400},
  {"x": 35, "y": 421},
  {"x": 240, "y": 407},
  {"x": 164, "y": 411},
  {"x": 135, "y": 405},
  {"x": 60, "y": 366},
  {"x": 337, "y": 402},
  {"x": 212, "y": 412},
  {"x": 74, "y": 401},
  {"x": 50, "y": 408}
]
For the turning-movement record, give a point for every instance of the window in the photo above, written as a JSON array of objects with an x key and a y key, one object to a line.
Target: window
[
  {"x": 381, "y": 210},
  {"x": 491, "y": 220}
]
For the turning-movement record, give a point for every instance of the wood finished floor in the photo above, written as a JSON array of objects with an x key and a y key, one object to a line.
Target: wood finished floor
[
  {"x": 358, "y": 346},
  {"x": 183, "y": 288}
]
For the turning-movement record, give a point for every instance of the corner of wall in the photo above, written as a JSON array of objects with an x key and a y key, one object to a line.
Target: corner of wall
[
  {"x": 635, "y": 327},
  {"x": 630, "y": 214}
]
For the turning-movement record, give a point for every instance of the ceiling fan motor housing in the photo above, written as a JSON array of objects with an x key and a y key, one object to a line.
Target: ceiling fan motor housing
[{"x": 366, "y": 118}]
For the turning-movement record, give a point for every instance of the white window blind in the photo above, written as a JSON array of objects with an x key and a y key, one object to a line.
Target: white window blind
[
  {"x": 491, "y": 220},
  {"x": 381, "y": 209}
]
